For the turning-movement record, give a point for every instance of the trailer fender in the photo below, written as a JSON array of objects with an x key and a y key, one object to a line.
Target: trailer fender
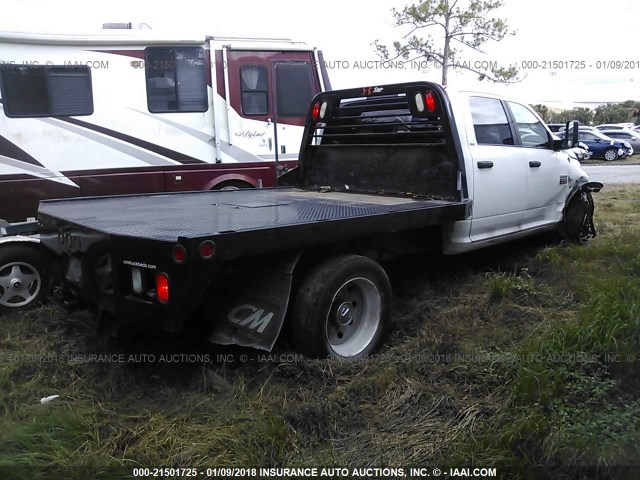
[{"x": 253, "y": 309}]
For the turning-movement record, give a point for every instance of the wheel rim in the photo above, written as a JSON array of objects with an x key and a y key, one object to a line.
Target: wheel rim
[
  {"x": 609, "y": 155},
  {"x": 20, "y": 284},
  {"x": 354, "y": 317}
]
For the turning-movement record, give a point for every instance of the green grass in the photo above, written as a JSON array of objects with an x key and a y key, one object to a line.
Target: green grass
[
  {"x": 632, "y": 160},
  {"x": 520, "y": 356}
]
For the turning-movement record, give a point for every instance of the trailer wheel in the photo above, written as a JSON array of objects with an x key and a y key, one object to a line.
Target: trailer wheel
[
  {"x": 23, "y": 284},
  {"x": 342, "y": 308}
]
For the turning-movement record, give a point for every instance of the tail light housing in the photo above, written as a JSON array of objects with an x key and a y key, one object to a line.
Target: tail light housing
[
  {"x": 319, "y": 110},
  {"x": 162, "y": 287},
  {"x": 179, "y": 254},
  {"x": 430, "y": 102},
  {"x": 424, "y": 102},
  {"x": 207, "y": 249}
]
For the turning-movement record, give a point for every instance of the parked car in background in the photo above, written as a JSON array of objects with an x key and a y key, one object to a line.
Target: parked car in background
[
  {"x": 632, "y": 137},
  {"x": 614, "y": 126},
  {"x": 580, "y": 152},
  {"x": 555, "y": 127},
  {"x": 601, "y": 145},
  {"x": 581, "y": 128}
]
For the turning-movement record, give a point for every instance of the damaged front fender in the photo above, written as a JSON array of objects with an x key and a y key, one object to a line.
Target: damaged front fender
[{"x": 577, "y": 224}]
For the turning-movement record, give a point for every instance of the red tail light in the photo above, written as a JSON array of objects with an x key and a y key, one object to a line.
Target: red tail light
[
  {"x": 207, "y": 249},
  {"x": 162, "y": 287},
  {"x": 430, "y": 102},
  {"x": 179, "y": 254},
  {"x": 315, "y": 111}
]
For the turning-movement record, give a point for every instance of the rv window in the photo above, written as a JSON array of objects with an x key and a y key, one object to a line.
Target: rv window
[
  {"x": 295, "y": 88},
  {"x": 46, "y": 91},
  {"x": 253, "y": 79},
  {"x": 176, "y": 80}
]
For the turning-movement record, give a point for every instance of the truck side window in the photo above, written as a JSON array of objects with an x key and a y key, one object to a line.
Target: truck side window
[
  {"x": 176, "y": 80},
  {"x": 531, "y": 130},
  {"x": 46, "y": 91},
  {"x": 295, "y": 89},
  {"x": 490, "y": 121},
  {"x": 254, "y": 90}
]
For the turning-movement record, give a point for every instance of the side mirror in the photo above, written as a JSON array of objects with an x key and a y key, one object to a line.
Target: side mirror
[{"x": 571, "y": 136}]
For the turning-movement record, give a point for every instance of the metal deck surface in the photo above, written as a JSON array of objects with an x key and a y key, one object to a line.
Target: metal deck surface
[{"x": 198, "y": 214}]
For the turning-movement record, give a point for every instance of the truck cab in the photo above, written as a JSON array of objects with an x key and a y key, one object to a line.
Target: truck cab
[{"x": 519, "y": 176}]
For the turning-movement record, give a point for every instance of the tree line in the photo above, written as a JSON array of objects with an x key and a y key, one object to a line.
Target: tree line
[{"x": 628, "y": 111}]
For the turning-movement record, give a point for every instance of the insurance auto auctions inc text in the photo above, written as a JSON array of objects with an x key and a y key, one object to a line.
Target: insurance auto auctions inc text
[{"x": 367, "y": 472}]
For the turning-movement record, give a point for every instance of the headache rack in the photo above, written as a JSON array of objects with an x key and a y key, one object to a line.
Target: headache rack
[
  {"x": 386, "y": 120},
  {"x": 391, "y": 140}
]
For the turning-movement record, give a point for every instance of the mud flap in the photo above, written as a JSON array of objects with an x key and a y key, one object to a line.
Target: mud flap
[{"x": 254, "y": 309}]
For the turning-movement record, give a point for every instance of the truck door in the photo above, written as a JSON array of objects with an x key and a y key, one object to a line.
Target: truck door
[
  {"x": 499, "y": 172},
  {"x": 547, "y": 170},
  {"x": 269, "y": 96}
]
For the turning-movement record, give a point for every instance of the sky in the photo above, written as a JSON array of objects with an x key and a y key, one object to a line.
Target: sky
[{"x": 587, "y": 31}]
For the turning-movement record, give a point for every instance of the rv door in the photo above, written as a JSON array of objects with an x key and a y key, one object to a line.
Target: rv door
[{"x": 269, "y": 95}]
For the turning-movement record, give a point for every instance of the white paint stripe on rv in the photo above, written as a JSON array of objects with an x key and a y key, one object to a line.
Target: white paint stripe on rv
[
  {"x": 110, "y": 142},
  {"x": 37, "y": 171},
  {"x": 236, "y": 153},
  {"x": 202, "y": 136},
  {"x": 281, "y": 156}
]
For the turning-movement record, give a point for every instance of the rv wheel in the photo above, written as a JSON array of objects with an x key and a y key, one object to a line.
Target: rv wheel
[
  {"x": 23, "y": 284},
  {"x": 233, "y": 185},
  {"x": 342, "y": 308}
]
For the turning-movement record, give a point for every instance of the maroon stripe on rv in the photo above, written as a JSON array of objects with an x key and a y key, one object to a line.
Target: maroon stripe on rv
[
  {"x": 11, "y": 150},
  {"x": 166, "y": 152}
]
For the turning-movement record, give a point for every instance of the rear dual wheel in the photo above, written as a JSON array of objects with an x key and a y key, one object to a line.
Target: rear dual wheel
[{"x": 342, "y": 308}]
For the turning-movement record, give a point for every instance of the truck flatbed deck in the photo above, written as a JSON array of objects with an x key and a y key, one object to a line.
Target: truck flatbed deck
[{"x": 234, "y": 218}]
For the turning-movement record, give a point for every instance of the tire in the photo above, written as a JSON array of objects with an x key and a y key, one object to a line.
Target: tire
[
  {"x": 610, "y": 155},
  {"x": 577, "y": 223},
  {"x": 23, "y": 284},
  {"x": 233, "y": 185},
  {"x": 341, "y": 309}
]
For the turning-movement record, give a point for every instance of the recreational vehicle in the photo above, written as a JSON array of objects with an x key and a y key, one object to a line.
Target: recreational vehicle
[{"x": 129, "y": 111}]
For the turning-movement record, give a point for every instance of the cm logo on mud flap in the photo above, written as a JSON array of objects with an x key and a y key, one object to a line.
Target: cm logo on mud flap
[{"x": 251, "y": 317}]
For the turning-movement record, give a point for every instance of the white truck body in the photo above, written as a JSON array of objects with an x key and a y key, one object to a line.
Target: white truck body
[{"x": 518, "y": 182}]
